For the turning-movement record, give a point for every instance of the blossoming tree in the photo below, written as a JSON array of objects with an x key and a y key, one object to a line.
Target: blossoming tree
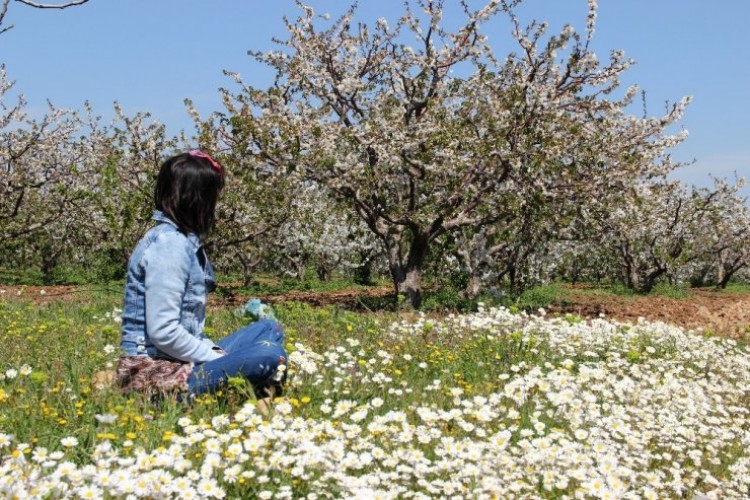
[
  {"x": 723, "y": 236},
  {"x": 122, "y": 158},
  {"x": 423, "y": 130},
  {"x": 38, "y": 178},
  {"x": 320, "y": 233}
]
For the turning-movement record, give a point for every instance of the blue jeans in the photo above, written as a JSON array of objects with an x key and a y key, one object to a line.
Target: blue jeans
[{"x": 254, "y": 352}]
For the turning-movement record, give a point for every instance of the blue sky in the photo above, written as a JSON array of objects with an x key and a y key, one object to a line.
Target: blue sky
[{"x": 152, "y": 54}]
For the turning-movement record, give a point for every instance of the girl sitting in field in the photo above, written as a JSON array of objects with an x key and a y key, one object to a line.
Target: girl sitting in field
[{"x": 168, "y": 279}]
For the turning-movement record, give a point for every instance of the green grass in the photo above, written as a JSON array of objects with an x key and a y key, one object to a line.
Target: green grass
[
  {"x": 66, "y": 343},
  {"x": 266, "y": 284},
  {"x": 538, "y": 297},
  {"x": 738, "y": 288},
  {"x": 677, "y": 292},
  {"x": 11, "y": 276},
  {"x": 382, "y": 364}
]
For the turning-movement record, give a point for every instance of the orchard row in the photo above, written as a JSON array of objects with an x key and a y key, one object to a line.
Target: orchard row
[{"x": 405, "y": 150}]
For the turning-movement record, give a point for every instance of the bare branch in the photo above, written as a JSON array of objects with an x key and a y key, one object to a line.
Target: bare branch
[
  {"x": 52, "y": 5},
  {"x": 3, "y": 11}
]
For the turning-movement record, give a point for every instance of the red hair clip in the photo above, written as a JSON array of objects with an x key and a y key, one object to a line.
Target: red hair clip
[{"x": 200, "y": 154}]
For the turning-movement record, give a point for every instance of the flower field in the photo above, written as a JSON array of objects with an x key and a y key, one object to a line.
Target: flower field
[{"x": 485, "y": 405}]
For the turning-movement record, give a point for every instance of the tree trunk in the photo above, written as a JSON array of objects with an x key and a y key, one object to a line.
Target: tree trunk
[
  {"x": 472, "y": 270},
  {"x": 728, "y": 273},
  {"x": 412, "y": 286},
  {"x": 47, "y": 266},
  {"x": 700, "y": 278},
  {"x": 324, "y": 274},
  {"x": 363, "y": 272},
  {"x": 407, "y": 279},
  {"x": 721, "y": 274},
  {"x": 395, "y": 265},
  {"x": 473, "y": 287},
  {"x": 513, "y": 282},
  {"x": 649, "y": 282},
  {"x": 299, "y": 264},
  {"x": 248, "y": 265},
  {"x": 629, "y": 268},
  {"x": 49, "y": 260},
  {"x": 300, "y": 270}
]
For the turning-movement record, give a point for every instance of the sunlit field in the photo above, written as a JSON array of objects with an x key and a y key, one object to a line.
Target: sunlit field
[{"x": 486, "y": 405}]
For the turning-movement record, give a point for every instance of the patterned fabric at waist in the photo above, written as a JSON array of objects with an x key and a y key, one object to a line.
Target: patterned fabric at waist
[{"x": 152, "y": 375}]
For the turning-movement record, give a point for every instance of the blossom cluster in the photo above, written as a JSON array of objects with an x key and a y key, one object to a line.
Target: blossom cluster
[{"x": 577, "y": 409}]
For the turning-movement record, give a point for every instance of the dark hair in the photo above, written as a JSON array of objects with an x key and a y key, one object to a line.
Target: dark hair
[{"x": 187, "y": 190}]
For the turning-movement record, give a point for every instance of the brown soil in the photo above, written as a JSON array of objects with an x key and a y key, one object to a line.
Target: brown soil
[
  {"x": 720, "y": 312},
  {"x": 712, "y": 310},
  {"x": 45, "y": 294}
]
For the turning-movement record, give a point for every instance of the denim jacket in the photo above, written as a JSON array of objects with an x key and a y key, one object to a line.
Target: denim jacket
[{"x": 167, "y": 282}]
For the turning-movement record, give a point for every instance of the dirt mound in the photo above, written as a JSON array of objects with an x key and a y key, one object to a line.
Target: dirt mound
[{"x": 715, "y": 311}]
